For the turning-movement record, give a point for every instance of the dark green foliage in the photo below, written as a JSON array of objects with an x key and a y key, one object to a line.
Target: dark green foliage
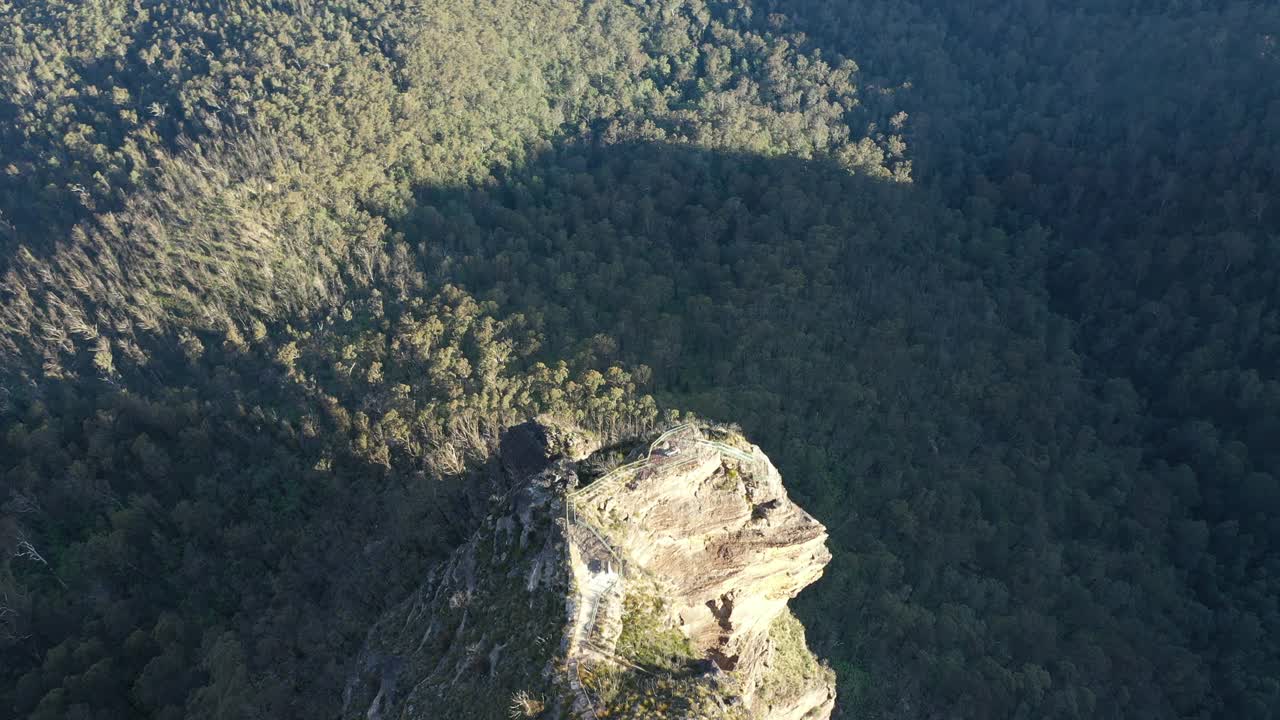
[
  {"x": 1144, "y": 138},
  {"x": 972, "y": 480},
  {"x": 222, "y": 383},
  {"x": 233, "y": 533},
  {"x": 275, "y": 274}
]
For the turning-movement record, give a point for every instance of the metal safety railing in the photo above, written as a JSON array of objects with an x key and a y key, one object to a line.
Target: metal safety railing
[{"x": 617, "y": 474}]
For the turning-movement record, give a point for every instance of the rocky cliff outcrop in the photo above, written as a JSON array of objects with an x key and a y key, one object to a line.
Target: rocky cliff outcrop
[{"x": 648, "y": 579}]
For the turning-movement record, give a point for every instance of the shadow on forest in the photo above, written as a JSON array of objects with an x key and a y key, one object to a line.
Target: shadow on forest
[
  {"x": 855, "y": 329},
  {"x": 890, "y": 357}
]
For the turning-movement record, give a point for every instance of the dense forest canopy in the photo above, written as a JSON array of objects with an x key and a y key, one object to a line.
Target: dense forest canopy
[
  {"x": 997, "y": 285},
  {"x": 1146, "y": 138}
]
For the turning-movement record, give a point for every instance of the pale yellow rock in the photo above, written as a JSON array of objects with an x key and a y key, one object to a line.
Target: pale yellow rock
[{"x": 720, "y": 537}]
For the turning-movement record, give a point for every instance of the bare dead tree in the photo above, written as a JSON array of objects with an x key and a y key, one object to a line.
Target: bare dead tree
[{"x": 24, "y": 549}]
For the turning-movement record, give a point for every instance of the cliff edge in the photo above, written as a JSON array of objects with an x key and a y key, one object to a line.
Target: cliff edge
[{"x": 647, "y": 579}]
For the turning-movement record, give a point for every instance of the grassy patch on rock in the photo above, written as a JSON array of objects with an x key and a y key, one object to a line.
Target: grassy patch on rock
[
  {"x": 649, "y": 640},
  {"x": 793, "y": 669}
]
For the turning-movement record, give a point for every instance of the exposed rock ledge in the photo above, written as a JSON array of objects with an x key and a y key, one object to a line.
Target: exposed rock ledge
[{"x": 657, "y": 590}]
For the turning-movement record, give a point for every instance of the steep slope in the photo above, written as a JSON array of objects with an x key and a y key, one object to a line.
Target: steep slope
[{"x": 657, "y": 589}]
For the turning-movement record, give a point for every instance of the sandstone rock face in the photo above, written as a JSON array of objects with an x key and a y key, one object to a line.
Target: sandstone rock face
[
  {"x": 708, "y": 520},
  {"x": 644, "y": 580}
]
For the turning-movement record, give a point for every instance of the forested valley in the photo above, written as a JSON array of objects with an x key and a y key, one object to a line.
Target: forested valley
[{"x": 996, "y": 285}]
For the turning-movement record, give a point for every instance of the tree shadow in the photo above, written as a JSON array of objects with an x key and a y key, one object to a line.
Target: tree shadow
[
  {"x": 854, "y": 327},
  {"x": 889, "y": 355}
]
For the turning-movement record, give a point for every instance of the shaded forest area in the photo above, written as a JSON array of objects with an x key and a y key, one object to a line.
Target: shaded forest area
[
  {"x": 1000, "y": 299},
  {"x": 1145, "y": 137}
]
